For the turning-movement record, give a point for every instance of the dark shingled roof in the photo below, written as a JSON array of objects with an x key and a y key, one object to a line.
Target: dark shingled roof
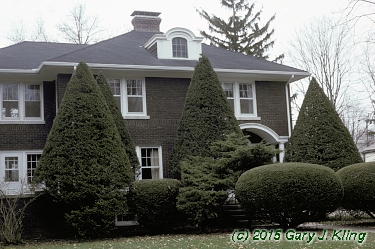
[
  {"x": 126, "y": 49},
  {"x": 29, "y": 55}
]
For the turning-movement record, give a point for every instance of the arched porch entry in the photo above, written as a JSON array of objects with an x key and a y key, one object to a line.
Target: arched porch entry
[{"x": 259, "y": 132}]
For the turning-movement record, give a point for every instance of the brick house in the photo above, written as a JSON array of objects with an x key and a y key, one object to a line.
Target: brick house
[{"x": 149, "y": 73}]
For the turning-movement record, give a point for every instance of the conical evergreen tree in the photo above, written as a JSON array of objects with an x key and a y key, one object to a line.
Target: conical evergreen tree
[
  {"x": 241, "y": 33},
  {"x": 119, "y": 120},
  {"x": 84, "y": 164},
  {"x": 319, "y": 136},
  {"x": 207, "y": 117}
]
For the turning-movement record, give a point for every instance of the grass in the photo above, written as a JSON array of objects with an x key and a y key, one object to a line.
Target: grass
[{"x": 215, "y": 240}]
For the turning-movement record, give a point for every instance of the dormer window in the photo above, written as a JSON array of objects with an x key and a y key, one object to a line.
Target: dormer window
[{"x": 179, "y": 46}]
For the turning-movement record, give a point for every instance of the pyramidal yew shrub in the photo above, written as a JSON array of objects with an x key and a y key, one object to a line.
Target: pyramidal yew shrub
[
  {"x": 319, "y": 136},
  {"x": 207, "y": 117},
  {"x": 84, "y": 164},
  {"x": 119, "y": 120}
]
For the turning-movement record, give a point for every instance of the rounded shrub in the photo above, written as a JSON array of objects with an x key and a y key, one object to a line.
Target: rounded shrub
[
  {"x": 358, "y": 181},
  {"x": 289, "y": 193},
  {"x": 154, "y": 202}
]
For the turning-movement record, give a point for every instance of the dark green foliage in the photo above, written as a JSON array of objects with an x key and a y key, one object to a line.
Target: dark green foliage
[
  {"x": 289, "y": 193},
  {"x": 207, "y": 179},
  {"x": 234, "y": 157},
  {"x": 154, "y": 202},
  {"x": 203, "y": 193},
  {"x": 119, "y": 120},
  {"x": 84, "y": 163},
  {"x": 206, "y": 117},
  {"x": 319, "y": 136},
  {"x": 241, "y": 33},
  {"x": 358, "y": 181}
]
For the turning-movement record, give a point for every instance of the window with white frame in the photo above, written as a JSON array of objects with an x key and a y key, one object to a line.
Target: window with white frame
[
  {"x": 179, "y": 47},
  {"x": 21, "y": 101},
  {"x": 241, "y": 98},
  {"x": 17, "y": 169},
  {"x": 151, "y": 162},
  {"x": 130, "y": 95}
]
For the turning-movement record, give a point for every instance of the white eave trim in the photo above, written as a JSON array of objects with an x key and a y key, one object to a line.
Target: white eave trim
[{"x": 150, "y": 68}]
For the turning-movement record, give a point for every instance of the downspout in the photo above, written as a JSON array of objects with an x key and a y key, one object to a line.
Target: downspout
[{"x": 288, "y": 105}]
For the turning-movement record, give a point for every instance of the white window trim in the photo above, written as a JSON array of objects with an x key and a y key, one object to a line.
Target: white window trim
[
  {"x": 160, "y": 154},
  {"x": 21, "y": 106},
  {"x": 236, "y": 97},
  {"x": 14, "y": 188},
  {"x": 124, "y": 99}
]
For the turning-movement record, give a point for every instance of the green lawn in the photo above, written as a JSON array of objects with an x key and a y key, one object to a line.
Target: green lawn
[{"x": 216, "y": 240}]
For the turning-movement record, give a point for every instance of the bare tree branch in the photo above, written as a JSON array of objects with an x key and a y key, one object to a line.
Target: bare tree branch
[{"x": 80, "y": 28}]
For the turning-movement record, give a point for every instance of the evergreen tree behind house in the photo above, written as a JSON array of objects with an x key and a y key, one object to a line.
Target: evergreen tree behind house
[
  {"x": 207, "y": 117},
  {"x": 84, "y": 164},
  {"x": 241, "y": 32},
  {"x": 319, "y": 136}
]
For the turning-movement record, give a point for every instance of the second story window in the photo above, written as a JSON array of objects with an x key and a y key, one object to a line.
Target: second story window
[
  {"x": 241, "y": 98},
  {"x": 20, "y": 101},
  {"x": 179, "y": 46},
  {"x": 130, "y": 96}
]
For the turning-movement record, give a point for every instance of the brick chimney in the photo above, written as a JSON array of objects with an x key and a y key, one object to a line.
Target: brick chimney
[{"x": 146, "y": 21}]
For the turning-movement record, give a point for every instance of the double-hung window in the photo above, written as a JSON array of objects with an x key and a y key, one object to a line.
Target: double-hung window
[
  {"x": 21, "y": 102},
  {"x": 17, "y": 170},
  {"x": 130, "y": 96},
  {"x": 241, "y": 98},
  {"x": 151, "y": 162}
]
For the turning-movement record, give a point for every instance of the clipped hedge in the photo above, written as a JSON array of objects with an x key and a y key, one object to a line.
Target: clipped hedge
[
  {"x": 359, "y": 186},
  {"x": 289, "y": 193},
  {"x": 154, "y": 202}
]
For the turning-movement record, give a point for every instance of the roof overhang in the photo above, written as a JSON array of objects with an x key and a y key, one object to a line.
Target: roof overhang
[{"x": 49, "y": 69}]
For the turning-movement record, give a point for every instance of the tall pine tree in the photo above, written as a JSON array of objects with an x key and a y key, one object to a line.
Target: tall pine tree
[
  {"x": 84, "y": 164},
  {"x": 207, "y": 117},
  {"x": 319, "y": 136},
  {"x": 241, "y": 32},
  {"x": 119, "y": 120}
]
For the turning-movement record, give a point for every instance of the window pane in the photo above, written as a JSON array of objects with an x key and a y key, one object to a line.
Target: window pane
[
  {"x": 134, "y": 87},
  {"x": 228, "y": 89},
  {"x": 246, "y": 91},
  {"x": 135, "y": 104},
  {"x": 32, "y": 162},
  {"x": 247, "y": 106},
  {"x": 231, "y": 103},
  {"x": 118, "y": 101},
  {"x": 10, "y": 109},
  {"x": 150, "y": 173},
  {"x": 179, "y": 47},
  {"x": 10, "y": 92},
  {"x": 32, "y": 92},
  {"x": 32, "y": 108},
  {"x": 11, "y": 169},
  {"x": 114, "y": 84}
]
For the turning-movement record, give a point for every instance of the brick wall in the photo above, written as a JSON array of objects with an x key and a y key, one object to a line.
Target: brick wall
[
  {"x": 30, "y": 136},
  {"x": 165, "y": 98},
  {"x": 271, "y": 105}
]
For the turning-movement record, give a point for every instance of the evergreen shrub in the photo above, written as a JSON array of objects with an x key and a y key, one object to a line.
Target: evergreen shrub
[
  {"x": 319, "y": 136},
  {"x": 358, "y": 181},
  {"x": 289, "y": 194},
  {"x": 154, "y": 202}
]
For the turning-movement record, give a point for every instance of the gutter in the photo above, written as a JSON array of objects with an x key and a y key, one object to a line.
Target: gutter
[{"x": 288, "y": 105}]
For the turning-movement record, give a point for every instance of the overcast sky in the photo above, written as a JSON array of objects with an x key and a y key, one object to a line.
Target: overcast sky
[{"x": 114, "y": 15}]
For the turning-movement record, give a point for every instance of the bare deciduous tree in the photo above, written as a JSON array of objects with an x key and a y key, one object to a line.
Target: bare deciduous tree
[
  {"x": 324, "y": 50},
  {"x": 80, "y": 28}
]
